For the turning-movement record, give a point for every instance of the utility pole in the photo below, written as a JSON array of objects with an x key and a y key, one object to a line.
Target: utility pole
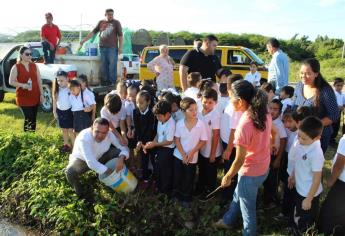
[
  {"x": 342, "y": 55},
  {"x": 81, "y": 25}
]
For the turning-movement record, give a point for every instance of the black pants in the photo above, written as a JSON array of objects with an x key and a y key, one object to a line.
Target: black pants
[
  {"x": 145, "y": 160},
  {"x": 288, "y": 194},
  {"x": 184, "y": 176},
  {"x": 49, "y": 55},
  {"x": 30, "y": 116},
  {"x": 271, "y": 184},
  {"x": 165, "y": 167},
  {"x": 336, "y": 127},
  {"x": 207, "y": 180},
  {"x": 228, "y": 192},
  {"x": 332, "y": 213},
  {"x": 304, "y": 219}
]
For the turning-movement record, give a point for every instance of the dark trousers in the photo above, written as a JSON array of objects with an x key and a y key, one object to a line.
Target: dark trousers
[
  {"x": 336, "y": 127},
  {"x": 332, "y": 213},
  {"x": 271, "y": 184},
  {"x": 145, "y": 160},
  {"x": 304, "y": 219},
  {"x": 30, "y": 116},
  {"x": 184, "y": 176},
  {"x": 288, "y": 194},
  {"x": 207, "y": 180},
  {"x": 165, "y": 167},
  {"x": 78, "y": 167},
  {"x": 49, "y": 55},
  {"x": 228, "y": 192}
]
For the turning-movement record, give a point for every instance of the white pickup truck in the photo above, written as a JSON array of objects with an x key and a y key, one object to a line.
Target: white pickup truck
[{"x": 48, "y": 74}]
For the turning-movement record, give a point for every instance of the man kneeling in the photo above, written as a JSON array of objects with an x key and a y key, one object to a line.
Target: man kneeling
[{"x": 93, "y": 148}]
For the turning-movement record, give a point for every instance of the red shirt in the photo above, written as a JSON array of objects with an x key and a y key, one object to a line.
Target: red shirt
[{"x": 51, "y": 33}]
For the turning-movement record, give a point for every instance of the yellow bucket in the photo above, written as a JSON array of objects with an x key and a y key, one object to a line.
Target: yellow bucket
[{"x": 123, "y": 181}]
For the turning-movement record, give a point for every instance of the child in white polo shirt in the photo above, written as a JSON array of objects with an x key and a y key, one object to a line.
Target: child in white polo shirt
[
  {"x": 338, "y": 85},
  {"x": 190, "y": 137},
  {"x": 193, "y": 81},
  {"x": 286, "y": 94},
  {"x": 253, "y": 76},
  {"x": 305, "y": 171},
  {"x": 211, "y": 153},
  {"x": 164, "y": 146}
]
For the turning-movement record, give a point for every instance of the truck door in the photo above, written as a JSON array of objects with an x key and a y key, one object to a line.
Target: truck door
[{"x": 8, "y": 62}]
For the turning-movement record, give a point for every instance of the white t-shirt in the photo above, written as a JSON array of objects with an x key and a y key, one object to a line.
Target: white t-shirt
[
  {"x": 303, "y": 160},
  {"x": 286, "y": 102},
  {"x": 114, "y": 119},
  {"x": 77, "y": 103},
  {"x": 90, "y": 94},
  {"x": 253, "y": 78},
  {"x": 211, "y": 121},
  {"x": 191, "y": 92},
  {"x": 222, "y": 103},
  {"x": 291, "y": 138},
  {"x": 87, "y": 149},
  {"x": 166, "y": 132},
  {"x": 340, "y": 98},
  {"x": 228, "y": 120},
  {"x": 130, "y": 107},
  {"x": 281, "y": 131},
  {"x": 189, "y": 139},
  {"x": 340, "y": 150},
  {"x": 63, "y": 103}
]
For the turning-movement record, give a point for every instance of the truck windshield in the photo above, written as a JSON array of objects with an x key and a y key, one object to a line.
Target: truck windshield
[{"x": 255, "y": 57}]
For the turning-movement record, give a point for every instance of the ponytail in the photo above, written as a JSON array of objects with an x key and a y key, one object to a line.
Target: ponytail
[
  {"x": 256, "y": 99},
  {"x": 55, "y": 91}
]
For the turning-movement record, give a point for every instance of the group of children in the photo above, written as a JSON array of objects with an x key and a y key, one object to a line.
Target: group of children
[{"x": 181, "y": 140}]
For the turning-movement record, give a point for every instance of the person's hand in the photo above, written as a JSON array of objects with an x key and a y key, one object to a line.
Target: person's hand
[
  {"x": 25, "y": 86},
  {"x": 185, "y": 159},
  {"x": 274, "y": 150},
  {"x": 291, "y": 182},
  {"x": 226, "y": 154},
  {"x": 212, "y": 159},
  {"x": 88, "y": 109},
  {"x": 120, "y": 164},
  {"x": 276, "y": 163},
  {"x": 150, "y": 145},
  {"x": 139, "y": 146},
  {"x": 226, "y": 181},
  {"x": 190, "y": 156},
  {"x": 119, "y": 51},
  {"x": 129, "y": 133},
  {"x": 123, "y": 140},
  {"x": 306, "y": 204}
]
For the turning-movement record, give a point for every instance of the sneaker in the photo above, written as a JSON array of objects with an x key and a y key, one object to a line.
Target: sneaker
[{"x": 220, "y": 224}]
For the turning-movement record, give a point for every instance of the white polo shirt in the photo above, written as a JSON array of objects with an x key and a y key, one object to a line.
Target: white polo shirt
[
  {"x": 63, "y": 103},
  {"x": 291, "y": 138},
  {"x": 303, "y": 160},
  {"x": 281, "y": 131},
  {"x": 212, "y": 122},
  {"x": 340, "y": 150},
  {"x": 87, "y": 149},
  {"x": 229, "y": 120},
  {"x": 340, "y": 98},
  {"x": 191, "y": 92},
  {"x": 222, "y": 103},
  {"x": 166, "y": 131},
  {"x": 189, "y": 139},
  {"x": 77, "y": 103},
  {"x": 90, "y": 94},
  {"x": 253, "y": 78},
  {"x": 114, "y": 118},
  {"x": 286, "y": 103},
  {"x": 130, "y": 107}
]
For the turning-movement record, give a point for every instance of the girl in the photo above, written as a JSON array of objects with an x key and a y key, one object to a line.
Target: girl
[
  {"x": 190, "y": 137},
  {"x": 252, "y": 158},
  {"x": 85, "y": 88},
  {"x": 145, "y": 126},
  {"x": 253, "y": 76},
  {"x": 82, "y": 104},
  {"x": 62, "y": 109},
  {"x": 121, "y": 90}
]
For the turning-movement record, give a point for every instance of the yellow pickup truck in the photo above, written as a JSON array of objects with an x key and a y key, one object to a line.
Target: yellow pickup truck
[{"x": 235, "y": 58}]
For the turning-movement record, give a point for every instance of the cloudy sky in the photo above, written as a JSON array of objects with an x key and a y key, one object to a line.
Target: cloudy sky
[{"x": 281, "y": 19}]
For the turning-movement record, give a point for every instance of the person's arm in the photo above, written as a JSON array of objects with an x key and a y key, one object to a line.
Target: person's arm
[
  {"x": 54, "y": 106},
  {"x": 306, "y": 204},
  {"x": 124, "y": 153},
  {"x": 88, "y": 36},
  {"x": 152, "y": 66},
  {"x": 39, "y": 82},
  {"x": 337, "y": 169},
  {"x": 241, "y": 153},
  {"x": 227, "y": 152},
  {"x": 214, "y": 144},
  {"x": 329, "y": 102},
  {"x": 282, "y": 145},
  {"x": 90, "y": 159},
  {"x": 13, "y": 79},
  {"x": 190, "y": 154},
  {"x": 59, "y": 36},
  {"x": 120, "y": 45},
  {"x": 183, "y": 71},
  {"x": 180, "y": 149}
]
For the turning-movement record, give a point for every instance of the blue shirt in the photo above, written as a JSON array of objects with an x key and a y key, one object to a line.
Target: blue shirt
[{"x": 278, "y": 70}]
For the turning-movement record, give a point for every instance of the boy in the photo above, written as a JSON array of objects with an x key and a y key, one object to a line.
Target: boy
[
  {"x": 271, "y": 183},
  {"x": 338, "y": 88},
  {"x": 305, "y": 171},
  {"x": 253, "y": 76},
  {"x": 270, "y": 91},
  {"x": 164, "y": 146},
  {"x": 211, "y": 153},
  {"x": 286, "y": 94},
  {"x": 193, "y": 81}
]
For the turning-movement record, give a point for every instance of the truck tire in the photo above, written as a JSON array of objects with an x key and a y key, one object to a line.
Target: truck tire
[
  {"x": 2, "y": 95},
  {"x": 47, "y": 105}
]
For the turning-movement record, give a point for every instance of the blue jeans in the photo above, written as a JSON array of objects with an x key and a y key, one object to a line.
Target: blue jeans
[
  {"x": 244, "y": 202},
  {"x": 49, "y": 55},
  {"x": 109, "y": 64}
]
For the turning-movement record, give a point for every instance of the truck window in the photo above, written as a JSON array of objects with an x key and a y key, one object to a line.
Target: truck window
[
  {"x": 219, "y": 54},
  {"x": 150, "y": 54},
  {"x": 237, "y": 57},
  {"x": 177, "y": 54}
]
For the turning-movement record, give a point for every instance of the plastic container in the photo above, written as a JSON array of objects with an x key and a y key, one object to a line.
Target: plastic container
[
  {"x": 93, "y": 48},
  {"x": 30, "y": 84},
  {"x": 123, "y": 181}
]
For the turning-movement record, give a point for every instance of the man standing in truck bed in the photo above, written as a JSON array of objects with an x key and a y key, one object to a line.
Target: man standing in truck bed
[
  {"x": 110, "y": 45},
  {"x": 51, "y": 37}
]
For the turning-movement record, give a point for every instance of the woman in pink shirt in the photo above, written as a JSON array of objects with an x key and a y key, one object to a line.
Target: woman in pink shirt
[{"x": 252, "y": 138}]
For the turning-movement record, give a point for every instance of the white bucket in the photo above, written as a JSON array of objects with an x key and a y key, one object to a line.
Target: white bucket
[{"x": 123, "y": 181}]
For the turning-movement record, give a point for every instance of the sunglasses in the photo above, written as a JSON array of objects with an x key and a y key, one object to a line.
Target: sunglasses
[{"x": 28, "y": 54}]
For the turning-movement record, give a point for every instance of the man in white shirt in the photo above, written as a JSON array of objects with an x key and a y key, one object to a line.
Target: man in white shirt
[{"x": 92, "y": 149}]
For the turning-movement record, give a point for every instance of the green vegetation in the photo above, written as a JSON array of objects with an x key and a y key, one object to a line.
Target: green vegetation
[{"x": 34, "y": 192}]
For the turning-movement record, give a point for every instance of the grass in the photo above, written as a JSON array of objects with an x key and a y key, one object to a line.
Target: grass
[{"x": 11, "y": 120}]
